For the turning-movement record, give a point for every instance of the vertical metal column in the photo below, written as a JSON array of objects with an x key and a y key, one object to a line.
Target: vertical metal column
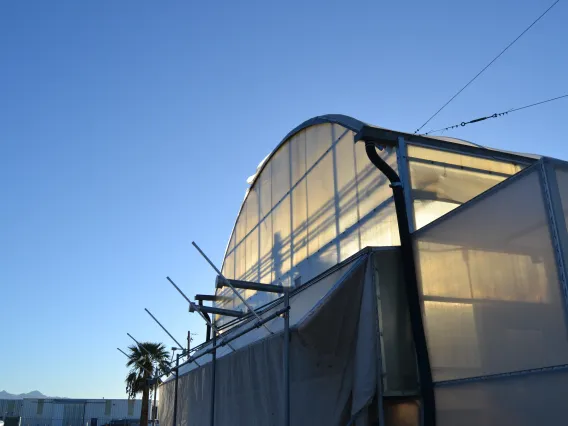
[
  {"x": 213, "y": 371},
  {"x": 404, "y": 174},
  {"x": 155, "y": 408},
  {"x": 556, "y": 223},
  {"x": 176, "y": 391},
  {"x": 287, "y": 358}
]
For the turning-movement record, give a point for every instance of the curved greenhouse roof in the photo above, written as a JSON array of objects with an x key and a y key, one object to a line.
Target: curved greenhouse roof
[{"x": 316, "y": 199}]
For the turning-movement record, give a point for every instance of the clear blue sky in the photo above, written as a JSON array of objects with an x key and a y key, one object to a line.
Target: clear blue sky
[{"x": 128, "y": 129}]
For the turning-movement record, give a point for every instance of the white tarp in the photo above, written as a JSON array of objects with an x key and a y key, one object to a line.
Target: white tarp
[{"x": 333, "y": 361}]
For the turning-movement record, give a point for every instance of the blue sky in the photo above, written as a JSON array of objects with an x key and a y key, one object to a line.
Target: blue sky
[{"x": 128, "y": 129}]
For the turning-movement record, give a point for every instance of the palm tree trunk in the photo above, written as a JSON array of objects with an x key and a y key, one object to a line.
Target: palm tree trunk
[{"x": 145, "y": 399}]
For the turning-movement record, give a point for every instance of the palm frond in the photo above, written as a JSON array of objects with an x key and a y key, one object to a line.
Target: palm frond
[{"x": 144, "y": 361}]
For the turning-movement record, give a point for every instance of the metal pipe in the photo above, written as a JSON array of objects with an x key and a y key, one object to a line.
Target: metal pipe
[
  {"x": 409, "y": 266},
  {"x": 163, "y": 328},
  {"x": 219, "y": 311},
  {"x": 249, "y": 307},
  {"x": 247, "y": 285},
  {"x": 213, "y": 373},
  {"x": 208, "y": 329},
  {"x": 176, "y": 390},
  {"x": 287, "y": 358},
  {"x": 195, "y": 307},
  {"x": 139, "y": 345}
]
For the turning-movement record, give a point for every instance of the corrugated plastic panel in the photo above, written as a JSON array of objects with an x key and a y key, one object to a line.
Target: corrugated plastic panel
[{"x": 492, "y": 299}]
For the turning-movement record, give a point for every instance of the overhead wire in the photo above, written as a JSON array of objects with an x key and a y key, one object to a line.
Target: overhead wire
[
  {"x": 496, "y": 115},
  {"x": 487, "y": 66}
]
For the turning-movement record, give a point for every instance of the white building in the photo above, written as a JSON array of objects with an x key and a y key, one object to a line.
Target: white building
[{"x": 70, "y": 412}]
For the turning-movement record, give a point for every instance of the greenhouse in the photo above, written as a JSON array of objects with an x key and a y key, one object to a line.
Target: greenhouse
[{"x": 376, "y": 277}]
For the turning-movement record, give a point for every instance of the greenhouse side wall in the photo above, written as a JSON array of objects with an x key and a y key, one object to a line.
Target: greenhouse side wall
[{"x": 494, "y": 309}]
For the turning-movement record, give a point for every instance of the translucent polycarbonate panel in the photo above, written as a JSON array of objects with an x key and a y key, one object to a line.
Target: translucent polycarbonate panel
[
  {"x": 229, "y": 266},
  {"x": 317, "y": 201},
  {"x": 346, "y": 181},
  {"x": 526, "y": 400},
  {"x": 280, "y": 163},
  {"x": 320, "y": 261},
  {"x": 452, "y": 340},
  {"x": 240, "y": 260},
  {"x": 298, "y": 156},
  {"x": 489, "y": 273},
  {"x": 299, "y": 222},
  {"x": 373, "y": 189},
  {"x": 349, "y": 243},
  {"x": 462, "y": 160},
  {"x": 281, "y": 260},
  {"x": 489, "y": 284},
  {"x": 449, "y": 184},
  {"x": 252, "y": 251},
  {"x": 299, "y": 198},
  {"x": 380, "y": 227},
  {"x": 426, "y": 211},
  {"x": 263, "y": 187},
  {"x": 318, "y": 141},
  {"x": 265, "y": 225},
  {"x": 321, "y": 205},
  {"x": 252, "y": 210},
  {"x": 241, "y": 226},
  {"x": 442, "y": 180},
  {"x": 265, "y": 229}
]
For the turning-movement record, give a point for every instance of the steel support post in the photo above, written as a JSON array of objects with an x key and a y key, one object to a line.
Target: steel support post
[
  {"x": 176, "y": 391},
  {"x": 213, "y": 371},
  {"x": 287, "y": 358},
  {"x": 155, "y": 407}
]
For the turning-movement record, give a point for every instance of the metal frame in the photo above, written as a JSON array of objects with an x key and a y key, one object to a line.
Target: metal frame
[
  {"x": 381, "y": 367},
  {"x": 404, "y": 174},
  {"x": 556, "y": 223},
  {"x": 373, "y": 137},
  {"x": 294, "y": 291},
  {"x": 218, "y": 311},
  {"x": 489, "y": 377}
]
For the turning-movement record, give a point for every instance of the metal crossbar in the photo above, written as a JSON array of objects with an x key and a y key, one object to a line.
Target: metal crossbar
[{"x": 249, "y": 307}]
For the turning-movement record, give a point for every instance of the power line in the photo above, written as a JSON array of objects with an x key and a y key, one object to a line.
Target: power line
[
  {"x": 487, "y": 66},
  {"x": 496, "y": 115}
]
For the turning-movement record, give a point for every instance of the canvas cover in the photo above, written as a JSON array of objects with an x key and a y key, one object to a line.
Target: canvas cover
[{"x": 333, "y": 361}]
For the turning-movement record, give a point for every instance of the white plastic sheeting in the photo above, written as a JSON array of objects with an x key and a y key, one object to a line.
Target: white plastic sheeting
[{"x": 333, "y": 367}]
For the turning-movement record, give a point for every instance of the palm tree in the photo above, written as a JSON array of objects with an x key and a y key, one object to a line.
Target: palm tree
[{"x": 144, "y": 361}]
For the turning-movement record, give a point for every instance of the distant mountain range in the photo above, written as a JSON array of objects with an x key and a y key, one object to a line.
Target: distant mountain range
[{"x": 32, "y": 394}]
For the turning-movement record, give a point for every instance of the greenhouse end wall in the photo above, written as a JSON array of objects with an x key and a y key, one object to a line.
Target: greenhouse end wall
[
  {"x": 492, "y": 282},
  {"x": 317, "y": 201}
]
